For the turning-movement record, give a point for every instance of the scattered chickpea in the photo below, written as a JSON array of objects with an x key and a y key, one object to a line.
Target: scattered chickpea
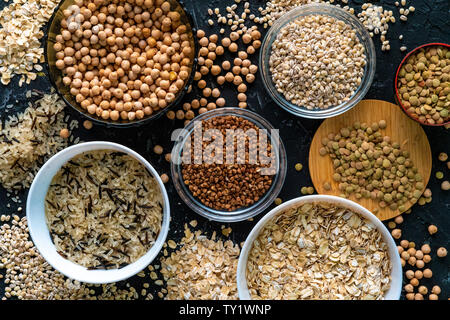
[
  {"x": 398, "y": 220},
  {"x": 220, "y": 50},
  {"x": 180, "y": 114},
  {"x": 400, "y": 249},
  {"x": 242, "y": 97},
  {"x": 422, "y": 290},
  {"x": 409, "y": 288},
  {"x": 164, "y": 178},
  {"x": 203, "y": 42},
  {"x": 441, "y": 252},
  {"x": 201, "y": 84},
  {"x": 432, "y": 229},
  {"x": 171, "y": 115},
  {"x": 443, "y": 156},
  {"x": 427, "y": 273},
  {"x": 229, "y": 77},
  {"x": 436, "y": 290},
  {"x": 220, "y": 80},
  {"x": 253, "y": 68},
  {"x": 418, "y": 296},
  {"x": 158, "y": 149},
  {"x": 412, "y": 261},
  {"x": 226, "y": 65},
  {"x": 64, "y": 133},
  {"x": 418, "y": 274},
  {"x": 215, "y": 93},
  {"x": 168, "y": 157},
  {"x": 211, "y": 106},
  {"x": 410, "y": 296},
  {"x": 242, "y": 88},
  {"x": 246, "y": 38},
  {"x": 242, "y": 104},
  {"x": 433, "y": 296},
  {"x": 250, "y": 78},
  {"x": 87, "y": 124},
  {"x": 396, "y": 233},
  {"x": 414, "y": 282},
  {"x": 233, "y": 47},
  {"x": 207, "y": 92},
  {"x": 226, "y": 42},
  {"x": 426, "y": 258},
  {"x": 420, "y": 264},
  {"x": 409, "y": 274},
  {"x": 200, "y": 33},
  {"x": 234, "y": 36},
  {"x": 426, "y": 248},
  {"x": 237, "y": 80},
  {"x": 251, "y": 50},
  {"x": 215, "y": 70},
  {"x": 220, "y": 102}
]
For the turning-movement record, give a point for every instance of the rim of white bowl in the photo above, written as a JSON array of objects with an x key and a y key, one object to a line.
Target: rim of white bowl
[
  {"x": 71, "y": 269},
  {"x": 396, "y": 272}
]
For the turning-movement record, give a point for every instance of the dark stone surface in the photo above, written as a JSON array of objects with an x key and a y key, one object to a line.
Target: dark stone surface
[{"x": 429, "y": 23}]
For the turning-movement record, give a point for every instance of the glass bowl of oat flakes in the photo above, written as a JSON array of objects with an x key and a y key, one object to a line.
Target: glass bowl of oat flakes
[
  {"x": 319, "y": 248},
  {"x": 317, "y": 61}
]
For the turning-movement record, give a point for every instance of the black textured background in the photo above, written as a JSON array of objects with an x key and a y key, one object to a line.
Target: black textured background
[{"x": 429, "y": 23}]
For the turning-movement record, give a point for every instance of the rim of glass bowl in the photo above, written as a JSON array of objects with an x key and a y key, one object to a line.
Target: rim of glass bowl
[
  {"x": 396, "y": 93},
  {"x": 55, "y": 75},
  {"x": 243, "y": 213},
  {"x": 322, "y": 9}
]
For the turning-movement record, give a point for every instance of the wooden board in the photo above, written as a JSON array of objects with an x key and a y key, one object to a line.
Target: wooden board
[{"x": 400, "y": 128}]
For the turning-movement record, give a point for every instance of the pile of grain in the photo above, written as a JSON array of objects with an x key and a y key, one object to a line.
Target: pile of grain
[
  {"x": 103, "y": 209},
  {"x": 203, "y": 269},
  {"x": 20, "y": 46},
  {"x": 30, "y": 138},
  {"x": 29, "y": 276}
]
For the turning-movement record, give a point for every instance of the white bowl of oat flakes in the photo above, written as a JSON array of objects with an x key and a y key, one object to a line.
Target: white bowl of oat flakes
[
  {"x": 319, "y": 247},
  {"x": 98, "y": 212}
]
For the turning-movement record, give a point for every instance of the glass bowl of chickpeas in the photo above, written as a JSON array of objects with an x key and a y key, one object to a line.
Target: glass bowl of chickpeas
[{"x": 121, "y": 63}]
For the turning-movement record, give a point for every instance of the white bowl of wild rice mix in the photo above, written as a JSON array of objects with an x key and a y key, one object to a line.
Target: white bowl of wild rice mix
[
  {"x": 319, "y": 248},
  {"x": 98, "y": 212}
]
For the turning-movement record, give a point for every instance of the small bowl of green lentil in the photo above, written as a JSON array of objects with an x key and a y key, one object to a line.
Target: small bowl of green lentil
[{"x": 422, "y": 84}]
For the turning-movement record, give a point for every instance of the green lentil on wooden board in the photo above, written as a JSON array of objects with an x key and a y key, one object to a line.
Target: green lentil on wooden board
[{"x": 369, "y": 165}]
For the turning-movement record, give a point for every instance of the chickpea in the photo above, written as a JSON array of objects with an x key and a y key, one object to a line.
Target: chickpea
[
  {"x": 220, "y": 102},
  {"x": 226, "y": 42},
  {"x": 195, "y": 104},
  {"x": 436, "y": 290},
  {"x": 237, "y": 80},
  {"x": 234, "y": 36},
  {"x": 409, "y": 274},
  {"x": 233, "y": 47},
  {"x": 426, "y": 249},
  {"x": 432, "y": 229},
  {"x": 215, "y": 93},
  {"x": 220, "y": 50},
  {"x": 427, "y": 273},
  {"x": 253, "y": 69},
  {"x": 418, "y": 274},
  {"x": 158, "y": 149},
  {"x": 420, "y": 264},
  {"x": 396, "y": 233},
  {"x": 211, "y": 106},
  {"x": 220, "y": 80},
  {"x": 242, "y": 97},
  {"x": 171, "y": 115},
  {"x": 213, "y": 38},
  {"x": 242, "y": 88},
  {"x": 200, "y": 33},
  {"x": 414, "y": 282},
  {"x": 418, "y": 296},
  {"x": 441, "y": 252},
  {"x": 426, "y": 258},
  {"x": 226, "y": 65},
  {"x": 202, "y": 110},
  {"x": 215, "y": 70},
  {"x": 207, "y": 92},
  {"x": 256, "y": 44},
  {"x": 237, "y": 61},
  {"x": 250, "y": 50},
  {"x": 203, "y": 102},
  {"x": 423, "y": 290},
  {"x": 64, "y": 133},
  {"x": 256, "y": 35},
  {"x": 250, "y": 78},
  {"x": 229, "y": 77},
  {"x": 203, "y": 42},
  {"x": 433, "y": 296},
  {"x": 246, "y": 38},
  {"x": 201, "y": 84},
  {"x": 242, "y": 105},
  {"x": 410, "y": 296}
]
